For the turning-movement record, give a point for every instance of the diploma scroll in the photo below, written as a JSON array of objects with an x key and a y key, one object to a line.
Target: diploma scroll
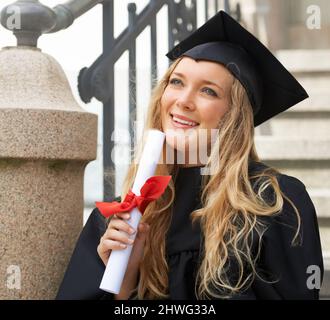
[{"x": 118, "y": 260}]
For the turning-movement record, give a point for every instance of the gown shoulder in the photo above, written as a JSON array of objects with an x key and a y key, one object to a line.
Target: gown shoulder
[{"x": 288, "y": 261}]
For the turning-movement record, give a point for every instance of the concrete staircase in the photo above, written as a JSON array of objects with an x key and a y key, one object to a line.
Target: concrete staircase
[{"x": 297, "y": 142}]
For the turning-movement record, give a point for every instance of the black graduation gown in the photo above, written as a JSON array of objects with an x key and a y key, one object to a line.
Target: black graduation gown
[{"x": 278, "y": 258}]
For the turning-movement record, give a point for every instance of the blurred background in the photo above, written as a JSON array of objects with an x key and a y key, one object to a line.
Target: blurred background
[{"x": 296, "y": 142}]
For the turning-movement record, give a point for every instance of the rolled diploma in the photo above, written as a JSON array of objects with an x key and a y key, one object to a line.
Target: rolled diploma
[{"x": 118, "y": 260}]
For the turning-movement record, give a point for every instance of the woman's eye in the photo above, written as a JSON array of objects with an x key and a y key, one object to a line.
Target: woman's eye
[
  {"x": 175, "y": 81},
  {"x": 210, "y": 92}
]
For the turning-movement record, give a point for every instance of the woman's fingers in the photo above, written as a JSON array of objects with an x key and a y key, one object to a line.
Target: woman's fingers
[
  {"x": 123, "y": 215},
  {"x": 121, "y": 225},
  {"x": 107, "y": 245},
  {"x": 116, "y": 235}
]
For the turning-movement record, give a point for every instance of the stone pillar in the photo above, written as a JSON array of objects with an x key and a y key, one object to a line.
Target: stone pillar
[{"x": 46, "y": 140}]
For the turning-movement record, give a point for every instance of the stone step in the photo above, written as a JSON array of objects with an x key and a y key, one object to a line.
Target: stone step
[
  {"x": 325, "y": 289},
  {"x": 321, "y": 200},
  {"x": 305, "y": 61},
  {"x": 297, "y": 125},
  {"x": 317, "y": 86},
  {"x": 326, "y": 259},
  {"x": 311, "y": 117},
  {"x": 325, "y": 239},
  {"x": 274, "y": 148},
  {"x": 314, "y": 174}
]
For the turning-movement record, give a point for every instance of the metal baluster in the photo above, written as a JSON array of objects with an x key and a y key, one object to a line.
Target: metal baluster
[
  {"x": 153, "y": 38},
  {"x": 227, "y": 7},
  {"x": 238, "y": 12},
  {"x": 206, "y": 10},
  {"x": 171, "y": 14},
  {"x": 108, "y": 107},
  {"x": 132, "y": 74}
]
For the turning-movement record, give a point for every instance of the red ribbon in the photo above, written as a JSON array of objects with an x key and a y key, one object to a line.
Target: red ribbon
[{"x": 152, "y": 189}]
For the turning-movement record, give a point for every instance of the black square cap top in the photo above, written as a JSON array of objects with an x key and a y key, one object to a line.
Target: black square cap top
[{"x": 271, "y": 88}]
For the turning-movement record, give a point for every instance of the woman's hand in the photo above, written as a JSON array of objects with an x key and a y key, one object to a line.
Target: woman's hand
[{"x": 118, "y": 237}]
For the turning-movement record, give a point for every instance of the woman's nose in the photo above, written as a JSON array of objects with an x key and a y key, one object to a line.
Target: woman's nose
[{"x": 186, "y": 100}]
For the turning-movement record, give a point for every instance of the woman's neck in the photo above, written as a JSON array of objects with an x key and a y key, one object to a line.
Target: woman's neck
[{"x": 186, "y": 161}]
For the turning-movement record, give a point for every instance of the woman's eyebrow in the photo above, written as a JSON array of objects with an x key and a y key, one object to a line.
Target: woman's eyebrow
[
  {"x": 204, "y": 81},
  {"x": 213, "y": 83}
]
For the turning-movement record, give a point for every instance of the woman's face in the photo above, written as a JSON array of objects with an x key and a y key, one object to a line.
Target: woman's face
[{"x": 197, "y": 92}]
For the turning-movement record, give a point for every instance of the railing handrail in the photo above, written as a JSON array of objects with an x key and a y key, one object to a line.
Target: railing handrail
[
  {"x": 119, "y": 46},
  {"x": 37, "y": 19},
  {"x": 67, "y": 12},
  {"x": 142, "y": 21}
]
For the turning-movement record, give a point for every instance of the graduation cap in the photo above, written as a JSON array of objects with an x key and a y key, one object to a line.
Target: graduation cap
[{"x": 271, "y": 88}]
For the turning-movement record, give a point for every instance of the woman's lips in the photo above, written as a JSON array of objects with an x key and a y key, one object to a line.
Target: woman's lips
[{"x": 181, "y": 125}]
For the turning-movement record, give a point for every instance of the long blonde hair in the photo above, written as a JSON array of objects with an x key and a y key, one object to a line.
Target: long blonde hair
[{"x": 230, "y": 206}]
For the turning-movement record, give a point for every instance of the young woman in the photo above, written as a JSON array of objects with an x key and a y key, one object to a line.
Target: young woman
[{"x": 243, "y": 231}]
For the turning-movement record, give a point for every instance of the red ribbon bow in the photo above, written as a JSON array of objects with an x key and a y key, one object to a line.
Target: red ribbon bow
[{"x": 152, "y": 189}]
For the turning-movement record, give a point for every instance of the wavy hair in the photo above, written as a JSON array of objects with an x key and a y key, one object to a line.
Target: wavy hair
[{"x": 230, "y": 205}]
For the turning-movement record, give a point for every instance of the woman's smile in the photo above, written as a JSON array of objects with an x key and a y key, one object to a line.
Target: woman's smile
[{"x": 178, "y": 122}]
